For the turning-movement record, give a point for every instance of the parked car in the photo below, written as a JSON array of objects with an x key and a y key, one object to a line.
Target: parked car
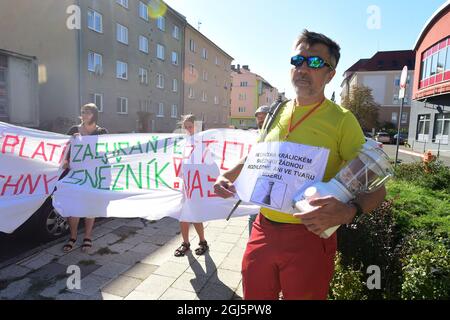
[
  {"x": 401, "y": 140},
  {"x": 383, "y": 137},
  {"x": 45, "y": 224}
]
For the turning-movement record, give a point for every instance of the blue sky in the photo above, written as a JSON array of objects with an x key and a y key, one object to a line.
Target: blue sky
[{"x": 261, "y": 33}]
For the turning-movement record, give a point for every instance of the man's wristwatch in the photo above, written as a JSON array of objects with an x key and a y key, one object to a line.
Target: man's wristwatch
[{"x": 359, "y": 212}]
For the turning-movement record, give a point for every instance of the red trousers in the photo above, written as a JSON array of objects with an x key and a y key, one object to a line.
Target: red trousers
[{"x": 287, "y": 258}]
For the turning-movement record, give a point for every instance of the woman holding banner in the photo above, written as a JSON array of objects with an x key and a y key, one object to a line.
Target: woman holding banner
[
  {"x": 88, "y": 126},
  {"x": 187, "y": 122}
]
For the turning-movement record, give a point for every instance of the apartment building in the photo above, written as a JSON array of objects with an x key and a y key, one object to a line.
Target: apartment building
[
  {"x": 382, "y": 74},
  {"x": 207, "y": 77},
  {"x": 126, "y": 56},
  {"x": 249, "y": 92}
]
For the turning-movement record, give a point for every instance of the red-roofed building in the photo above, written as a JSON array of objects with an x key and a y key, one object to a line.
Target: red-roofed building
[
  {"x": 430, "y": 114},
  {"x": 382, "y": 74}
]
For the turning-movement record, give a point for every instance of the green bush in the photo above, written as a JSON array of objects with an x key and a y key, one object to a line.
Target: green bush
[
  {"x": 438, "y": 177},
  {"x": 426, "y": 270},
  {"x": 347, "y": 283}
]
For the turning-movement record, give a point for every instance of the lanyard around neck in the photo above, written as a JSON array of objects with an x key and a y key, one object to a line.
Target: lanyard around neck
[{"x": 290, "y": 129}]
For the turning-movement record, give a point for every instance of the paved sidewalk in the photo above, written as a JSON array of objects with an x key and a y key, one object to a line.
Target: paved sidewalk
[{"x": 133, "y": 259}]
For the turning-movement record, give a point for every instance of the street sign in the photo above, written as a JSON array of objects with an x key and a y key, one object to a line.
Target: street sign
[{"x": 403, "y": 80}]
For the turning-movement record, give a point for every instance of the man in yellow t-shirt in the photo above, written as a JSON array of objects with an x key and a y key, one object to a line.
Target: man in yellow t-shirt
[{"x": 285, "y": 253}]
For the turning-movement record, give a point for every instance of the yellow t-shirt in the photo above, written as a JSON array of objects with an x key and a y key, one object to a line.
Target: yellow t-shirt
[{"x": 330, "y": 126}]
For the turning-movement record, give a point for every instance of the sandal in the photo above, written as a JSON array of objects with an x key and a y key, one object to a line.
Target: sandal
[
  {"x": 181, "y": 251},
  {"x": 69, "y": 245},
  {"x": 87, "y": 244},
  {"x": 203, "y": 247}
]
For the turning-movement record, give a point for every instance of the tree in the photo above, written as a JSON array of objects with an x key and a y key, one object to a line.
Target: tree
[{"x": 361, "y": 103}]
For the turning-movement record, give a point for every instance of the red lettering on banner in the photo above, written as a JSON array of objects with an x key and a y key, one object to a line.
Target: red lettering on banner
[
  {"x": 177, "y": 165},
  {"x": 211, "y": 194},
  {"x": 22, "y": 145},
  {"x": 64, "y": 152},
  {"x": 224, "y": 151},
  {"x": 52, "y": 152},
  {"x": 40, "y": 151},
  {"x": 208, "y": 142},
  {"x": 8, "y": 184},
  {"x": 46, "y": 182},
  {"x": 9, "y": 144},
  {"x": 31, "y": 187},
  {"x": 192, "y": 151},
  {"x": 190, "y": 188}
]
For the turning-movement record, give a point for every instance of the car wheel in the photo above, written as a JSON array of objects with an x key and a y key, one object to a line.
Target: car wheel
[{"x": 48, "y": 223}]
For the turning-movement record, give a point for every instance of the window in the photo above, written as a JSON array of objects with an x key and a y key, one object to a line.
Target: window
[
  {"x": 423, "y": 127},
  {"x": 204, "y": 96},
  {"x": 217, "y": 61},
  {"x": 159, "y": 81},
  {"x": 244, "y": 84},
  {"x": 143, "y": 11},
  {"x": 175, "y": 85},
  {"x": 161, "y": 23},
  {"x": 176, "y": 32},
  {"x": 241, "y": 109},
  {"x": 447, "y": 63},
  {"x": 3, "y": 106},
  {"x": 434, "y": 62},
  {"x": 394, "y": 117},
  {"x": 192, "y": 46},
  {"x": 191, "y": 93},
  {"x": 404, "y": 117},
  {"x": 174, "y": 58},
  {"x": 122, "y": 33},
  {"x": 440, "y": 61},
  {"x": 242, "y": 96},
  {"x": 174, "y": 113},
  {"x": 95, "y": 62},
  {"x": 191, "y": 69},
  {"x": 216, "y": 100},
  {"x": 143, "y": 76},
  {"x": 123, "y": 3},
  {"x": 122, "y": 105},
  {"x": 441, "y": 128},
  {"x": 122, "y": 70},
  {"x": 424, "y": 69},
  {"x": 205, "y": 75},
  {"x": 95, "y": 21},
  {"x": 143, "y": 44},
  {"x": 205, "y": 54},
  {"x": 97, "y": 99},
  {"x": 160, "y": 51},
  {"x": 160, "y": 110}
]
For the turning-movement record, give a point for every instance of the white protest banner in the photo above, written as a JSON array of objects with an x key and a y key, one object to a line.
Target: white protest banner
[
  {"x": 30, "y": 162},
  {"x": 215, "y": 151},
  {"x": 150, "y": 175},
  {"x": 275, "y": 171}
]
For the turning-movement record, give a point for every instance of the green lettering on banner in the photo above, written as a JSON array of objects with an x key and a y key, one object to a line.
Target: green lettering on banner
[
  {"x": 175, "y": 145},
  {"x": 120, "y": 144},
  {"x": 165, "y": 144},
  {"x": 130, "y": 173},
  {"x": 103, "y": 157},
  {"x": 148, "y": 173},
  {"x": 153, "y": 145},
  {"x": 90, "y": 178},
  {"x": 158, "y": 175},
  {"x": 101, "y": 177},
  {"x": 88, "y": 153},
  {"x": 121, "y": 167},
  {"x": 137, "y": 147},
  {"x": 72, "y": 176},
  {"x": 75, "y": 158}
]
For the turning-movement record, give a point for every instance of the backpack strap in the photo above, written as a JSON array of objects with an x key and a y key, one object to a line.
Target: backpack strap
[{"x": 275, "y": 109}]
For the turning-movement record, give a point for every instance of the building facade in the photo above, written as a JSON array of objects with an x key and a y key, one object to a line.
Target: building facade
[
  {"x": 249, "y": 92},
  {"x": 123, "y": 55},
  {"x": 381, "y": 73},
  {"x": 207, "y": 76},
  {"x": 430, "y": 116}
]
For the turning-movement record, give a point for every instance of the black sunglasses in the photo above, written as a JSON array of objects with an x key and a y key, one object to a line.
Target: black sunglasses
[{"x": 313, "y": 62}]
